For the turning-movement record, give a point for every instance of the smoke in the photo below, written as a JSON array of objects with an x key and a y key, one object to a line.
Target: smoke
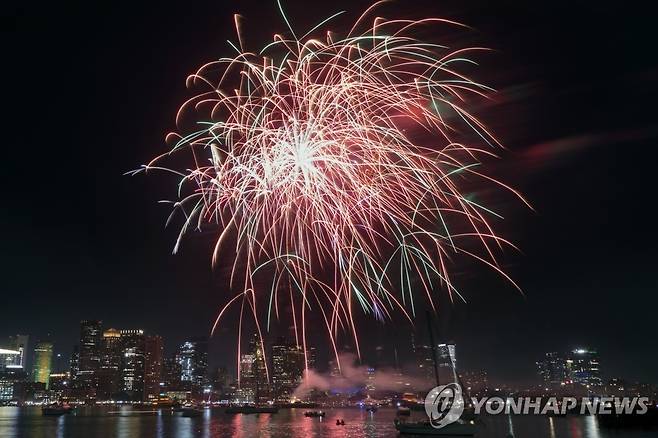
[{"x": 354, "y": 377}]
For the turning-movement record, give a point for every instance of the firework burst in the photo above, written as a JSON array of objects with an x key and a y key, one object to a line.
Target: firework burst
[{"x": 334, "y": 167}]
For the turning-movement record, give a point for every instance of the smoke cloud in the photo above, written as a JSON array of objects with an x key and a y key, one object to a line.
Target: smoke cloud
[{"x": 354, "y": 377}]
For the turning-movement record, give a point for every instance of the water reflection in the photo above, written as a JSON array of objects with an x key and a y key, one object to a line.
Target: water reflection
[
  {"x": 61, "y": 426},
  {"x": 591, "y": 426},
  {"x": 551, "y": 427},
  {"x": 99, "y": 423},
  {"x": 510, "y": 425},
  {"x": 9, "y": 417}
]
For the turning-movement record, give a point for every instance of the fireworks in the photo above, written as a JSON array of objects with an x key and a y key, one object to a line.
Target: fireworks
[{"x": 334, "y": 169}]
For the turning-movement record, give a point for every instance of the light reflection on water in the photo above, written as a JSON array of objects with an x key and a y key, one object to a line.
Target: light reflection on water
[{"x": 29, "y": 423}]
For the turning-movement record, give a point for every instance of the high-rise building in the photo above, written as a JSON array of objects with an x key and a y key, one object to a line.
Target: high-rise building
[
  {"x": 132, "y": 372},
  {"x": 20, "y": 344},
  {"x": 152, "y": 366},
  {"x": 75, "y": 363},
  {"x": 89, "y": 360},
  {"x": 253, "y": 373},
  {"x": 579, "y": 366},
  {"x": 171, "y": 373},
  {"x": 425, "y": 364},
  {"x": 220, "y": 379},
  {"x": 447, "y": 361},
  {"x": 288, "y": 364},
  {"x": 193, "y": 359},
  {"x": 60, "y": 384},
  {"x": 552, "y": 369},
  {"x": 109, "y": 372},
  {"x": 583, "y": 367},
  {"x": 43, "y": 357}
]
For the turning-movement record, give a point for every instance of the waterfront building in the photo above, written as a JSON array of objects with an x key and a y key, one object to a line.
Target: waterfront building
[
  {"x": 171, "y": 373},
  {"x": 10, "y": 359},
  {"x": 553, "y": 370},
  {"x": 20, "y": 343},
  {"x": 89, "y": 358},
  {"x": 193, "y": 359},
  {"x": 254, "y": 385},
  {"x": 43, "y": 357},
  {"x": 583, "y": 367},
  {"x": 288, "y": 364},
  {"x": 153, "y": 351},
  {"x": 447, "y": 362},
  {"x": 109, "y": 373},
  {"x": 579, "y": 366},
  {"x": 132, "y": 366},
  {"x": 60, "y": 385}
]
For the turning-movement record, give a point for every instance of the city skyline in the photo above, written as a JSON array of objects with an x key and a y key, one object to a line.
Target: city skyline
[
  {"x": 554, "y": 367},
  {"x": 129, "y": 365}
]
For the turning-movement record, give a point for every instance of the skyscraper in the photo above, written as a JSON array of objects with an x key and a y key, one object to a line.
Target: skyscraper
[
  {"x": 109, "y": 373},
  {"x": 89, "y": 359},
  {"x": 171, "y": 373},
  {"x": 552, "y": 369},
  {"x": 220, "y": 379},
  {"x": 132, "y": 372},
  {"x": 583, "y": 367},
  {"x": 447, "y": 361},
  {"x": 75, "y": 362},
  {"x": 580, "y": 366},
  {"x": 193, "y": 359},
  {"x": 253, "y": 373},
  {"x": 43, "y": 357},
  {"x": 152, "y": 366},
  {"x": 288, "y": 365}
]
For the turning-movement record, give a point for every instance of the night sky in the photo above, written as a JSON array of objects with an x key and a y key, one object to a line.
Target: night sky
[{"x": 89, "y": 90}]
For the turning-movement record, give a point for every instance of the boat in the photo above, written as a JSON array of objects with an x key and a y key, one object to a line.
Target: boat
[
  {"x": 464, "y": 426},
  {"x": 250, "y": 409},
  {"x": 403, "y": 411},
  {"x": 371, "y": 408},
  {"x": 314, "y": 414},
  {"x": 56, "y": 409},
  {"x": 458, "y": 428}
]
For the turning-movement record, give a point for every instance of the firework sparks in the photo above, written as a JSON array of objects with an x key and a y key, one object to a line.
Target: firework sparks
[{"x": 334, "y": 167}]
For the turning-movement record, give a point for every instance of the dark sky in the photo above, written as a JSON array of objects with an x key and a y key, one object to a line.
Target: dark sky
[{"x": 89, "y": 89}]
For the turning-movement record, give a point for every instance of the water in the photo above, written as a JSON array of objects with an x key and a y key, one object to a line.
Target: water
[{"x": 98, "y": 423}]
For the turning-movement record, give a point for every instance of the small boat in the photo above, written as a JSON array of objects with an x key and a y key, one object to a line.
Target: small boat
[
  {"x": 403, "y": 411},
  {"x": 249, "y": 409},
  {"x": 371, "y": 408},
  {"x": 56, "y": 409},
  {"x": 314, "y": 414},
  {"x": 458, "y": 428}
]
